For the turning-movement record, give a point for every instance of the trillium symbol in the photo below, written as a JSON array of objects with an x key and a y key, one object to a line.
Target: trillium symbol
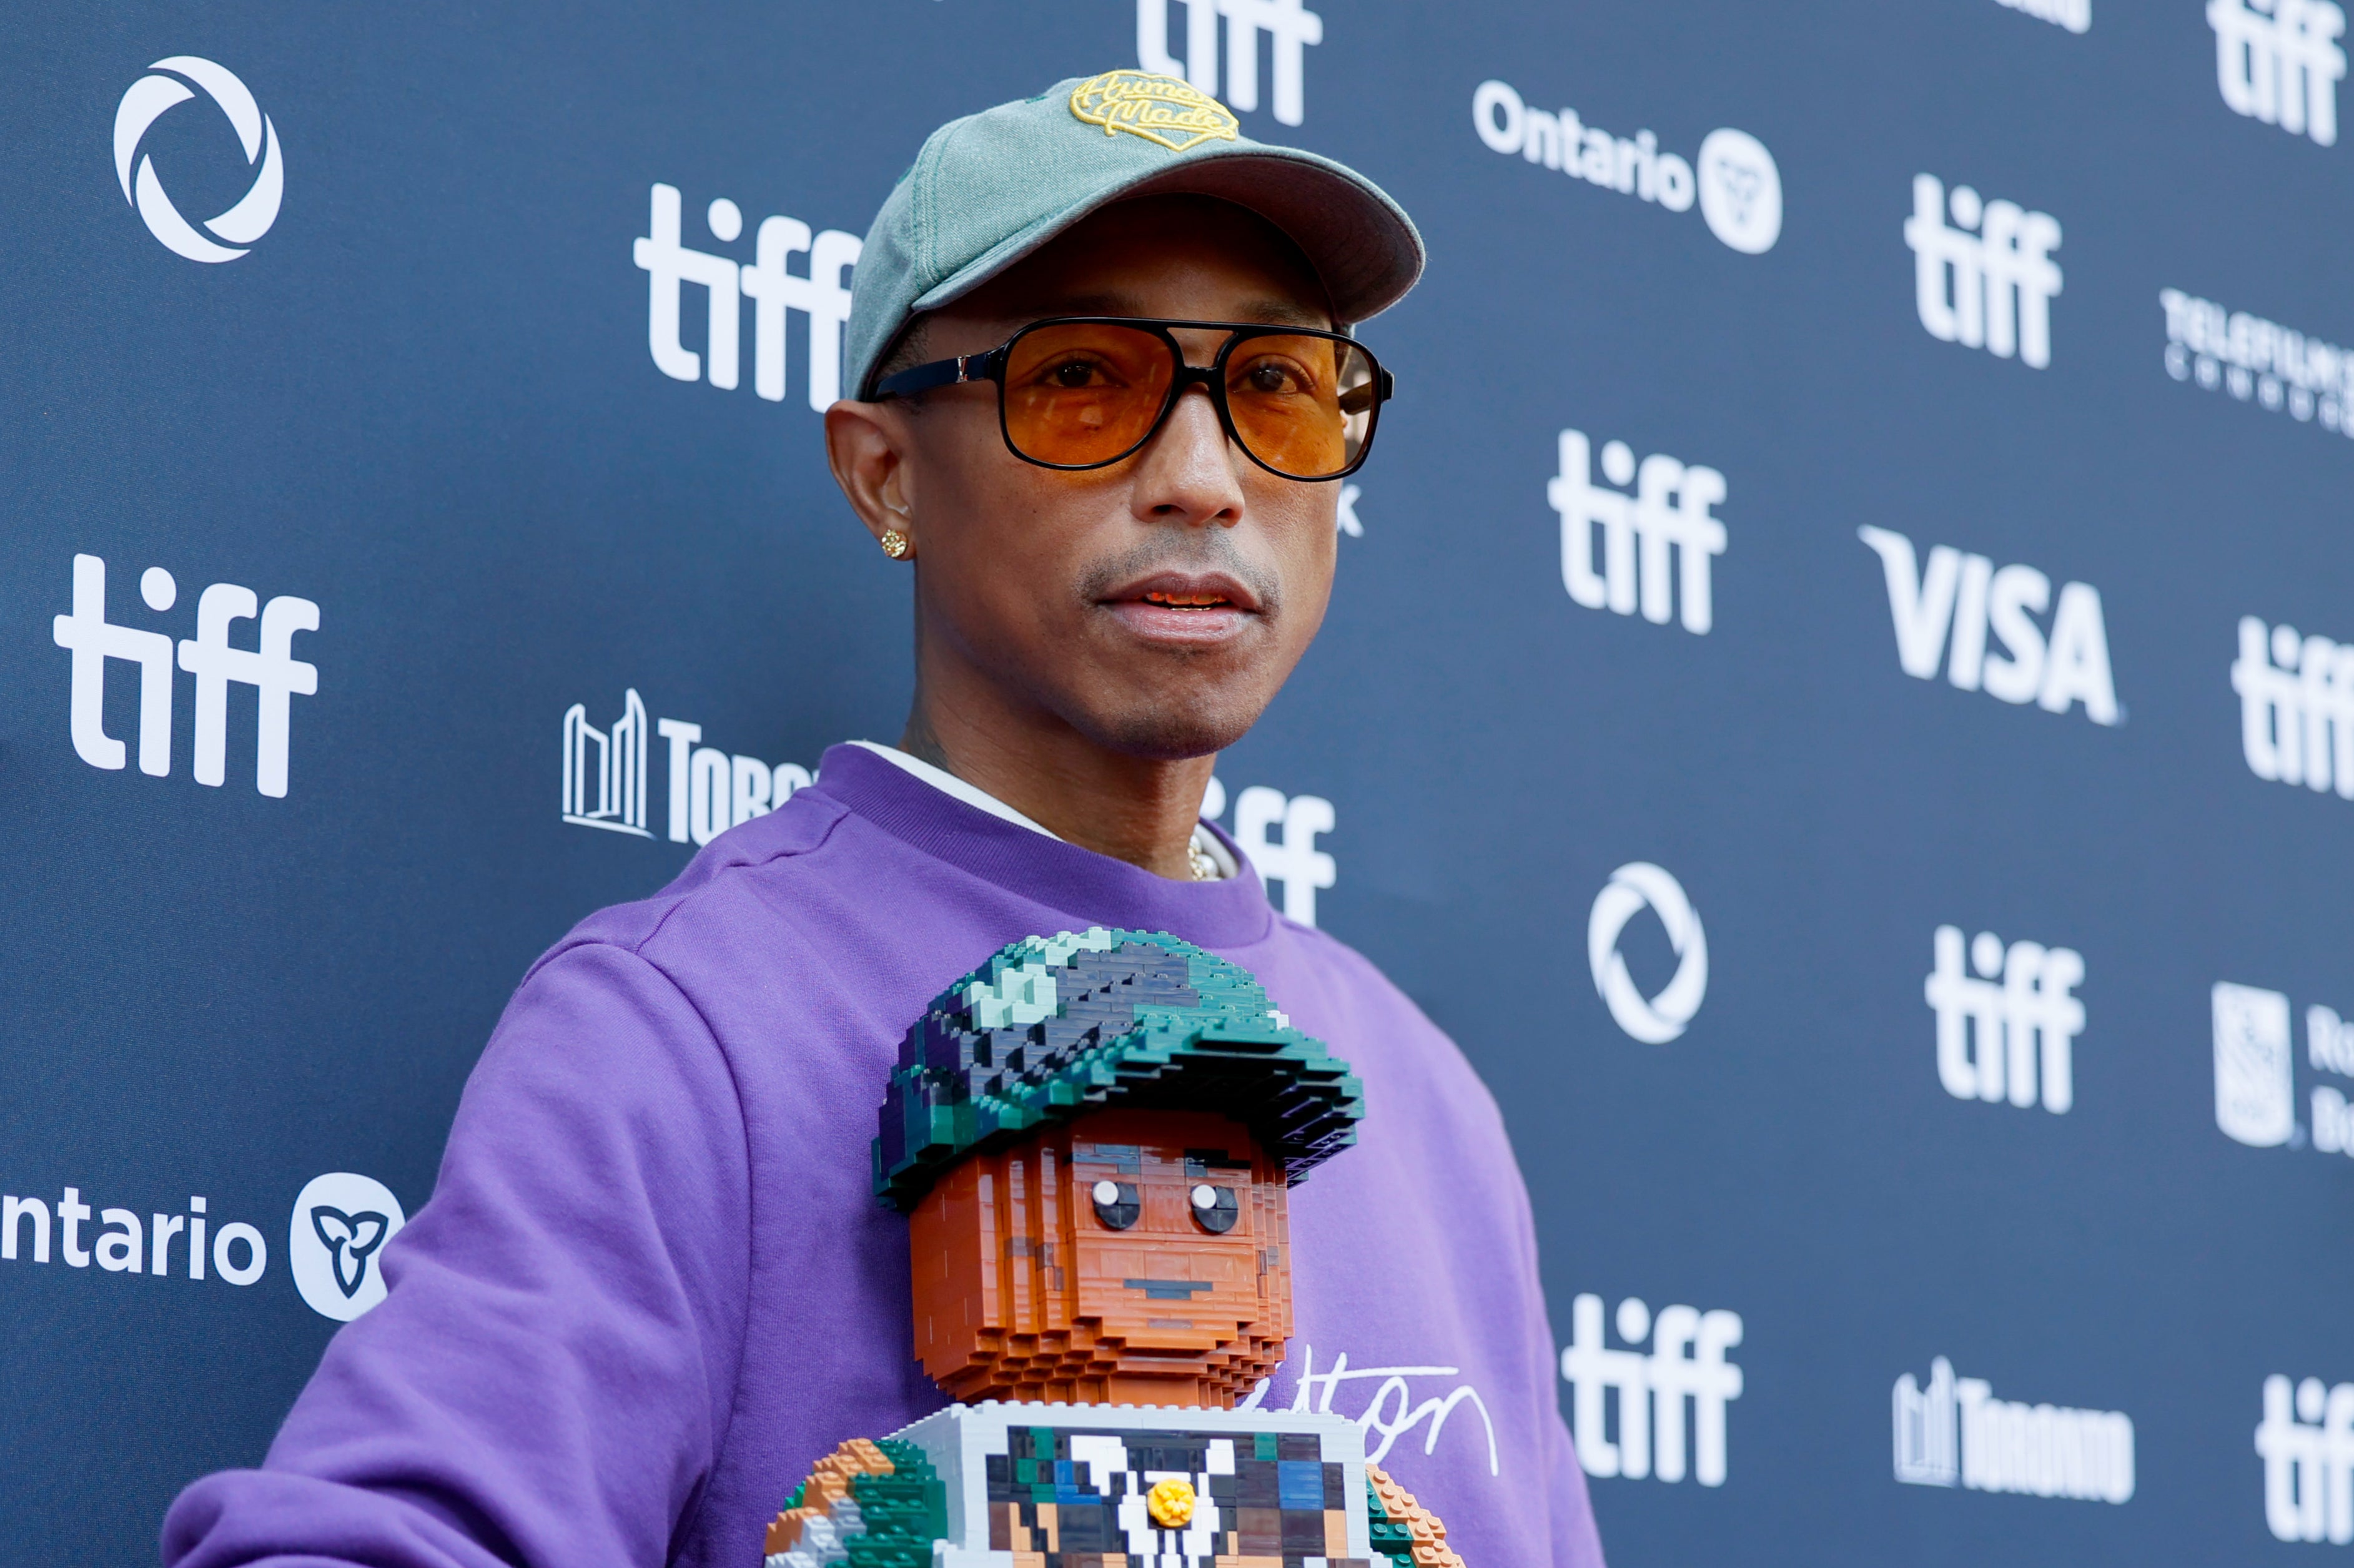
[
  {"x": 243, "y": 223},
  {"x": 350, "y": 1240}
]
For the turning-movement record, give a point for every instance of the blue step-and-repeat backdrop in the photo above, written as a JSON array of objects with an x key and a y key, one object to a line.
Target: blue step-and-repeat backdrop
[{"x": 1841, "y": 695}]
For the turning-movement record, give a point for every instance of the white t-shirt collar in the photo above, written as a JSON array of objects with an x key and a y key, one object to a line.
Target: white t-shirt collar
[{"x": 980, "y": 800}]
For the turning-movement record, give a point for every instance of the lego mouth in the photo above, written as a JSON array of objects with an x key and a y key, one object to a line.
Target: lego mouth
[{"x": 1167, "y": 1290}]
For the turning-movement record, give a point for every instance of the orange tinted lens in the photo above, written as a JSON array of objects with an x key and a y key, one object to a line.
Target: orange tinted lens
[
  {"x": 1084, "y": 392},
  {"x": 1302, "y": 405}
]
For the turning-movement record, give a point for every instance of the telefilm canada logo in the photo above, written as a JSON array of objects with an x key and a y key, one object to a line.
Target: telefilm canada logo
[
  {"x": 2278, "y": 368},
  {"x": 216, "y": 662},
  {"x": 1733, "y": 177},
  {"x": 168, "y": 85},
  {"x": 819, "y": 294},
  {"x": 1289, "y": 27},
  {"x": 1955, "y": 1433},
  {"x": 1947, "y": 608},
  {"x": 2256, "y": 1072},
  {"x": 1666, "y": 519},
  {"x": 1670, "y": 1400}
]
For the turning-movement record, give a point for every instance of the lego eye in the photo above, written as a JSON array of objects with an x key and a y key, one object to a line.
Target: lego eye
[
  {"x": 1116, "y": 1204},
  {"x": 1214, "y": 1209}
]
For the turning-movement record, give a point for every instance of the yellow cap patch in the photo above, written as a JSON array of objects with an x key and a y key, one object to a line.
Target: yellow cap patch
[
  {"x": 1171, "y": 1502},
  {"x": 1164, "y": 109}
]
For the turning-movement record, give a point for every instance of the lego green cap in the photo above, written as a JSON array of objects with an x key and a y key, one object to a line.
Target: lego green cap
[
  {"x": 992, "y": 188},
  {"x": 1051, "y": 1028}
]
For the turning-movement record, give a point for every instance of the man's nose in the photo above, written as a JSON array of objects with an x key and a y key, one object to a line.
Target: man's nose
[{"x": 1187, "y": 471}]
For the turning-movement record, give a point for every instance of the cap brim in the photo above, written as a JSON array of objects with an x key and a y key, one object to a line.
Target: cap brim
[{"x": 1361, "y": 245}]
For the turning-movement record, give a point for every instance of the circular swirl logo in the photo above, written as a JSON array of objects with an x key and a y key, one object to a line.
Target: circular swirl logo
[
  {"x": 1656, "y": 1020},
  {"x": 149, "y": 97}
]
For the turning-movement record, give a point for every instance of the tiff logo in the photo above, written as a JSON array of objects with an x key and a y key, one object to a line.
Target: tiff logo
[
  {"x": 2278, "y": 61},
  {"x": 270, "y": 668},
  {"x": 1668, "y": 512},
  {"x": 606, "y": 775},
  {"x": 2296, "y": 707},
  {"x": 1954, "y": 1430},
  {"x": 1686, "y": 1363},
  {"x": 1989, "y": 1023},
  {"x": 820, "y": 295},
  {"x": 1989, "y": 280},
  {"x": 1289, "y": 28},
  {"x": 1293, "y": 860},
  {"x": 2306, "y": 1443},
  {"x": 1966, "y": 596}
]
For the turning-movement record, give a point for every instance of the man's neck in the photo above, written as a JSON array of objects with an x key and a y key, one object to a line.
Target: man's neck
[{"x": 1139, "y": 809}]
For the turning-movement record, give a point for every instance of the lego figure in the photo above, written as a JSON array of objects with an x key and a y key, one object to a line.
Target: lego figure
[{"x": 1094, "y": 1136}]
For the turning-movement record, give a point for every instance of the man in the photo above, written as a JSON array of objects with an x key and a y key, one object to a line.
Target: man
[{"x": 652, "y": 1285}]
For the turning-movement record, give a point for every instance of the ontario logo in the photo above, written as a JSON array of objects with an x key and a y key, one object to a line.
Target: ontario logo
[
  {"x": 1164, "y": 109},
  {"x": 340, "y": 1225},
  {"x": 1737, "y": 184},
  {"x": 149, "y": 98}
]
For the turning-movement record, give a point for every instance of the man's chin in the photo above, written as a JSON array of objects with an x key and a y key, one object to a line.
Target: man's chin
[{"x": 1162, "y": 731}]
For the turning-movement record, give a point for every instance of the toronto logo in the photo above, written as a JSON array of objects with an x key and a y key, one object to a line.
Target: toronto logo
[
  {"x": 1955, "y": 1432},
  {"x": 340, "y": 1225},
  {"x": 149, "y": 98},
  {"x": 606, "y": 775}
]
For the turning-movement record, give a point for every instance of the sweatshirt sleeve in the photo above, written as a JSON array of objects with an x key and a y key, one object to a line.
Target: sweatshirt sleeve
[
  {"x": 1577, "y": 1544},
  {"x": 549, "y": 1380}
]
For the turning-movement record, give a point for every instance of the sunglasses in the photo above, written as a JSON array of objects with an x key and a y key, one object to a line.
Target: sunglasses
[{"x": 1081, "y": 392}]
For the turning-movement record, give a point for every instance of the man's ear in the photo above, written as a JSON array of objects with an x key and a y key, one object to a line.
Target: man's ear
[{"x": 867, "y": 444}]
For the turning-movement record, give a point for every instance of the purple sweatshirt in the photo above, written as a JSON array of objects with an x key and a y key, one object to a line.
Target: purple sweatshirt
[{"x": 652, "y": 1286}]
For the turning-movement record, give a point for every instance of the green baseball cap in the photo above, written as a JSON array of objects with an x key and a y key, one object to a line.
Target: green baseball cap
[{"x": 992, "y": 188}]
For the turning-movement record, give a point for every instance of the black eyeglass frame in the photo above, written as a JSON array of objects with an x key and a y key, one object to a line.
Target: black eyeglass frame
[{"x": 991, "y": 363}]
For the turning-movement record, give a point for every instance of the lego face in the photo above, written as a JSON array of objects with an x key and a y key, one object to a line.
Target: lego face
[{"x": 1131, "y": 1256}]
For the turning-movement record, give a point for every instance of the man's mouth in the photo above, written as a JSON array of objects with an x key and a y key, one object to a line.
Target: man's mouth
[
  {"x": 1186, "y": 601},
  {"x": 1180, "y": 608}
]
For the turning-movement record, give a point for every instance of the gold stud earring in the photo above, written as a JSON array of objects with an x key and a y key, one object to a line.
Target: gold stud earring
[{"x": 895, "y": 545}]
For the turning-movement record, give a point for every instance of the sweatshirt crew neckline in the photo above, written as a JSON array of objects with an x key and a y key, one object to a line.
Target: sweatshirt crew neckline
[{"x": 1094, "y": 889}]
